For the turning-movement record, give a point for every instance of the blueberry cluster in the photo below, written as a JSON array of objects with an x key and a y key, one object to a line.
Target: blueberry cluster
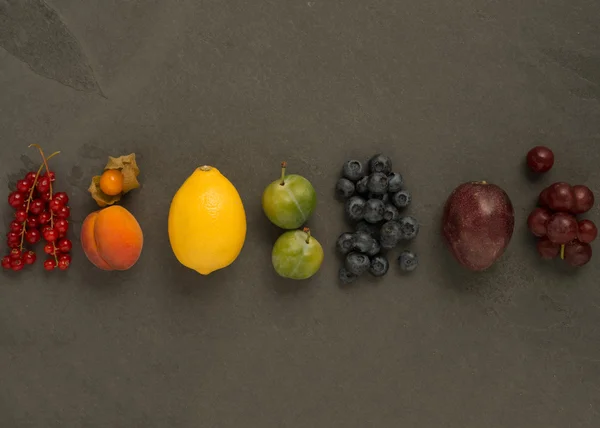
[{"x": 374, "y": 197}]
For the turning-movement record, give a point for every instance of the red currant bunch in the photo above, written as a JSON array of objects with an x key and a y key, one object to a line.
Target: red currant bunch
[
  {"x": 39, "y": 214},
  {"x": 555, "y": 223}
]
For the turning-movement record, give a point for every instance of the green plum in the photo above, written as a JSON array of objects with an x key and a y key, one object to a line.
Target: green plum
[
  {"x": 289, "y": 201},
  {"x": 297, "y": 254}
]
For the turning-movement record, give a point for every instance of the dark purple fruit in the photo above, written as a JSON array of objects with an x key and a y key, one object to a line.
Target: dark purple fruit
[
  {"x": 378, "y": 183},
  {"x": 353, "y": 170},
  {"x": 380, "y": 163},
  {"x": 395, "y": 182},
  {"x": 355, "y": 208},
  {"x": 478, "y": 224},
  {"x": 374, "y": 211},
  {"x": 344, "y": 188}
]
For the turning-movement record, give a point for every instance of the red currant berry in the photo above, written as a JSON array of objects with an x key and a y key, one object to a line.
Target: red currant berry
[
  {"x": 16, "y": 226},
  {"x": 13, "y": 244},
  {"x": 62, "y": 226},
  {"x": 64, "y": 212},
  {"x": 33, "y": 236},
  {"x": 31, "y": 176},
  {"x": 21, "y": 216},
  {"x": 62, "y": 197},
  {"x": 64, "y": 261},
  {"x": 16, "y": 199},
  {"x": 43, "y": 184},
  {"x": 29, "y": 258},
  {"x": 64, "y": 245},
  {"x": 45, "y": 196},
  {"x": 6, "y": 262},
  {"x": 50, "y": 264},
  {"x": 32, "y": 222},
  {"x": 44, "y": 217},
  {"x": 55, "y": 205},
  {"x": 15, "y": 254},
  {"x": 50, "y": 235},
  {"x": 49, "y": 249},
  {"x": 50, "y": 175},
  {"x": 17, "y": 265},
  {"x": 36, "y": 206},
  {"x": 23, "y": 186},
  {"x": 12, "y": 235}
]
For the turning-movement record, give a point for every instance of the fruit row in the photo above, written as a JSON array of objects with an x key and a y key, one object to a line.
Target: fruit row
[{"x": 207, "y": 220}]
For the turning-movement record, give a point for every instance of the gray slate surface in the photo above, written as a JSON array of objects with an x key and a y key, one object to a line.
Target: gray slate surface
[{"x": 453, "y": 90}]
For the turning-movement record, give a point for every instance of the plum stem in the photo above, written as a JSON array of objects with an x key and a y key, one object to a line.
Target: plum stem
[
  {"x": 562, "y": 252},
  {"x": 283, "y": 167},
  {"x": 307, "y": 231}
]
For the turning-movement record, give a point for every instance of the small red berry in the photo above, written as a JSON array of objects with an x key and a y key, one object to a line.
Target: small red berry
[
  {"x": 50, "y": 264},
  {"x": 16, "y": 226},
  {"x": 15, "y": 254},
  {"x": 50, "y": 235},
  {"x": 24, "y": 186},
  {"x": 13, "y": 244},
  {"x": 31, "y": 176},
  {"x": 36, "y": 206},
  {"x": 55, "y": 205},
  {"x": 45, "y": 196},
  {"x": 62, "y": 226},
  {"x": 49, "y": 249},
  {"x": 50, "y": 175},
  {"x": 29, "y": 258},
  {"x": 33, "y": 236},
  {"x": 16, "y": 199},
  {"x": 64, "y": 261},
  {"x": 64, "y": 245},
  {"x": 12, "y": 235},
  {"x": 17, "y": 265},
  {"x": 62, "y": 197},
  {"x": 6, "y": 262},
  {"x": 43, "y": 184},
  {"x": 64, "y": 212},
  {"x": 32, "y": 222},
  {"x": 44, "y": 217},
  {"x": 21, "y": 216}
]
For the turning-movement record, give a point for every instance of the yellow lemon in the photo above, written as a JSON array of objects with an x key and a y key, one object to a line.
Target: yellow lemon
[{"x": 207, "y": 222}]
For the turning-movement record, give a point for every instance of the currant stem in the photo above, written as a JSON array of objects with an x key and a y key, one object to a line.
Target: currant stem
[
  {"x": 29, "y": 198},
  {"x": 308, "y": 235},
  {"x": 283, "y": 167}
]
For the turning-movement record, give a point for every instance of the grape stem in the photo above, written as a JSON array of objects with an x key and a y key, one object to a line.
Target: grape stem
[
  {"x": 562, "y": 252},
  {"x": 45, "y": 164},
  {"x": 307, "y": 231},
  {"x": 283, "y": 167},
  {"x": 30, "y": 197}
]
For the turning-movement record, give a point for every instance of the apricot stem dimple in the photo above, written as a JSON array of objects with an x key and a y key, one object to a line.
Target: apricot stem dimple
[
  {"x": 307, "y": 231},
  {"x": 283, "y": 167},
  {"x": 562, "y": 252}
]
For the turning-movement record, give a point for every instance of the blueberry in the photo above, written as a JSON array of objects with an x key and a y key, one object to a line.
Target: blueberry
[
  {"x": 353, "y": 170},
  {"x": 344, "y": 188},
  {"x": 375, "y": 248},
  {"x": 401, "y": 199},
  {"x": 371, "y": 229},
  {"x": 379, "y": 266},
  {"x": 378, "y": 183},
  {"x": 347, "y": 277},
  {"x": 380, "y": 163},
  {"x": 390, "y": 234},
  {"x": 362, "y": 242},
  {"x": 361, "y": 185},
  {"x": 344, "y": 243},
  {"x": 374, "y": 211},
  {"x": 408, "y": 261},
  {"x": 395, "y": 182},
  {"x": 355, "y": 208},
  {"x": 384, "y": 197},
  {"x": 410, "y": 227},
  {"x": 390, "y": 213},
  {"x": 357, "y": 263}
]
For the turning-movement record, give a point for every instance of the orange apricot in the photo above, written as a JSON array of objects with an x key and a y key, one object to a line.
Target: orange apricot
[
  {"x": 111, "y": 182},
  {"x": 112, "y": 239}
]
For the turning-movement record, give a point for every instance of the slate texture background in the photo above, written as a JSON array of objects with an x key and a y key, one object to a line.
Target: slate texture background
[{"x": 453, "y": 90}]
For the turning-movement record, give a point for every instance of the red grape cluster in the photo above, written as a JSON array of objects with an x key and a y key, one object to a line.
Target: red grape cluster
[
  {"x": 39, "y": 213},
  {"x": 556, "y": 224}
]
